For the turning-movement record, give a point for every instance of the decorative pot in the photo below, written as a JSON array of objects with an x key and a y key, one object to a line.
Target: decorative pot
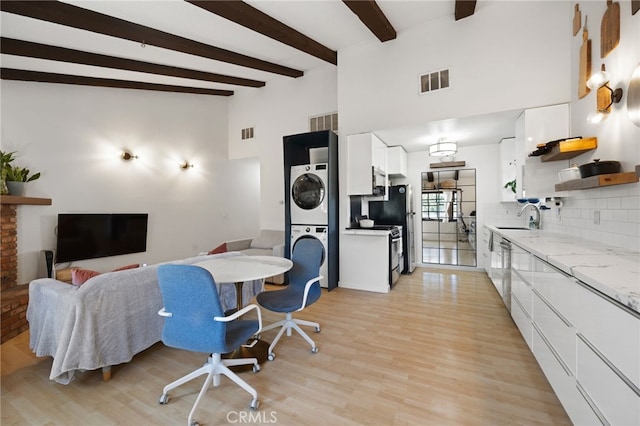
[
  {"x": 599, "y": 168},
  {"x": 17, "y": 188}
]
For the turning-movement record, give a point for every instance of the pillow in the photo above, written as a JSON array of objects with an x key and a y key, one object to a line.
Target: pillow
[
  {"x": 268, "y": 239},
  {"x": 222, "y": 248},
  {"x": 132, "y": 266},
  {"x": 80, "y": 276}
]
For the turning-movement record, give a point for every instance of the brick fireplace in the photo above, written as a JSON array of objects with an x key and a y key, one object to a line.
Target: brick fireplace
[{"x": 14, "y": 297}]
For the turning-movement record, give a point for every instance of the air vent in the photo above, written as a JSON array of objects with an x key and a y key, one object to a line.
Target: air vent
[
  {"x": 247, "y": 133},
  {"x": 324, "y": 122},
  {"x": 435, "y": 80}
]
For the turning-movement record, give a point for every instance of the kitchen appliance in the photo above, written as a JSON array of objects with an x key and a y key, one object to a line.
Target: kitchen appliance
[
  {"x": 500, "y": 267},
  {"x": 309, "y": 196},
  {"x": 599, "y": 168},
  {"x": 398, "y": 210},
  {"x": 570, "y": 173},
  {"x": 300, "y": 232}
]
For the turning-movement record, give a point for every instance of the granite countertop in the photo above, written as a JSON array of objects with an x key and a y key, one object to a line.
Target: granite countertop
[{"x": 613, "y": 271}]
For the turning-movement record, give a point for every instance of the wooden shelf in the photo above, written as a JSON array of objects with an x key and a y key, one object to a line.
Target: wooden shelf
[
  {"x": 13, "y": 199},
  {"x": 570, "y": 148},
  {"x": 598, "y": 181}
]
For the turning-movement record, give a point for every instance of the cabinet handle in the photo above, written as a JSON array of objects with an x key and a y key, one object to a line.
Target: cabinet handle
[
  {"x": 554, "y": 310},
  {"x": 613, "y": 368},
  {"x": 607, "y": 298},
  {"x": 592, "y": 405},
  {"x": 524, "y": 311},
  {"x": 553, "y": 351}
]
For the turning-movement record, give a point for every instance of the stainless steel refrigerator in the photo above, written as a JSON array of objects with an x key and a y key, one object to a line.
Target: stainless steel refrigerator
[{"x": 398, "y": 211}]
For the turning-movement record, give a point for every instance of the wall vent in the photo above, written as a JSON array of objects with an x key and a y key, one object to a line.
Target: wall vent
[
  {"x": 247, "y": 133},
  {"x": 324, "y": 122},
  {"x": 435, "y": 80}
]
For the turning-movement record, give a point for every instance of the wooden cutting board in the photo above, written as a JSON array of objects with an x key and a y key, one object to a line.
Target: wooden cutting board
[
  {"x": 635, "y": 6},
  {"x": 577, "y": 19},
  {"x": 610, "y": 28},
  {"x": 584, "y": 71}
]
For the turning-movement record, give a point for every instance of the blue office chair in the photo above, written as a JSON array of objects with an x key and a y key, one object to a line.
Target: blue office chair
[
  {"x": 302, "y": 291},
  {"x": 194, "y": 321}
]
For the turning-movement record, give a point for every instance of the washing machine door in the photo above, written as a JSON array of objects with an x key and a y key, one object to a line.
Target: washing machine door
[{"x": 308, "y": 191}]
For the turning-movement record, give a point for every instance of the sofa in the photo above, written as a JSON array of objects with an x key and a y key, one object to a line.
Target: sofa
[
  {"x": 107, "y": 320},
  {"x": 268, "y": 243}
]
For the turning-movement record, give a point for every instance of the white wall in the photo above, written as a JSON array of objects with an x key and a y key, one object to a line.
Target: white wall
[
  {"x": 618, "y": 207},
  {"x": 281, "y": 108},
  {"x": 508, "y": 55},
  {"x": 73, "y": 134}
]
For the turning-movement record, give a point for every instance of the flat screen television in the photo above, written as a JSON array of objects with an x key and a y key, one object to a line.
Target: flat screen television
[{"x": 92, "y": 235}]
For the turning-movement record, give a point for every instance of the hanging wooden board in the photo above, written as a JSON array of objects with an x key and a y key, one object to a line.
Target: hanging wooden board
[
  {"x": 577, "y": 19},
  {"x": 610, "y": 29},
  {"x": 635, "y": 6},
  {"x": 584, "y": 70}
]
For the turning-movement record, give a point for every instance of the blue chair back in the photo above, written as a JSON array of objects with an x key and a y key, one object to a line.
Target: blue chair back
[
  {"x": 190, "y": 294},
  {"x": 307, "y": 256}
]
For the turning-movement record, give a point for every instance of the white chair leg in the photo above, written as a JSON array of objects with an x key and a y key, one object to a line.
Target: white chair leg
[
  {"x": 308, "y": 323},
  {"x": 272, "y": 326},
  {"x": 304, "y": 335},
  {"x": 187, "y": 378},
  {"x": 278, "y": 336},
  {"x": 237, "y": 380},
  {"x": 205, "y": 386}
]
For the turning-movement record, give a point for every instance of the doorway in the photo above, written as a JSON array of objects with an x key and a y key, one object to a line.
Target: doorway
[{"x": 448, "y": 212}]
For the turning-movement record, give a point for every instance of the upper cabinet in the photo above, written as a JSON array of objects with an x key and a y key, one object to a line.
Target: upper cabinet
[
  {"x": 508, "y": 169},
  {"x": 366, "y": 164},
  {"x": 396, "y": 161},
  {"x": 537, "y": 179}
]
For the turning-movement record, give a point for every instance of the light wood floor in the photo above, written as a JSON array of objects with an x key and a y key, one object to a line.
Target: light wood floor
[{"x": 440, "y": 349}]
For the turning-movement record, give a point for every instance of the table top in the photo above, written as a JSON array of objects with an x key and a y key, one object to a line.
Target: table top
[{"x": 245, "y": 268}]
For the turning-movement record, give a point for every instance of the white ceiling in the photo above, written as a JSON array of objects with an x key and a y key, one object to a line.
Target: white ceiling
[{"x": 329, "y": 22}]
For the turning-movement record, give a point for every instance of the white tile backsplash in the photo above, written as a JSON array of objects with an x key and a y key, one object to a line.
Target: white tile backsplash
[{"x": 619, "y": 208}]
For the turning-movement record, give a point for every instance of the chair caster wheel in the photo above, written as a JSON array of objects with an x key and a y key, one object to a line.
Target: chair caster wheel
[
  {"x": 164, "y": 399},
  {"x": 317, "y": 329},
  {"x": 194, "y": 423},
  {"x": 271, "y": 356},
  {"x": 254, "y": 404},
  {"x": 314, "y": 350},
  {"x": 256, "y": 368}
]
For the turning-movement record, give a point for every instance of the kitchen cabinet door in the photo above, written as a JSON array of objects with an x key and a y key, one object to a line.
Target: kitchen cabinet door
[
  {"x": 396, "y": 161},
  {"x": 366, "y": 154}
]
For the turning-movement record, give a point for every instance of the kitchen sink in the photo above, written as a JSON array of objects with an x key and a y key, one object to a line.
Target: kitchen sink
[{"x": 520, "y": 228}]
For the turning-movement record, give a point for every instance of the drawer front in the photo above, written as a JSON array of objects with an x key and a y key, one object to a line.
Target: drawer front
[
  {"x": 619, "y": 404},
  {"x": 556, "y": 287},
  {"x": 523, "y": 292},
  {"x": 559, "y": 334},
  {"x": 522, "y": 261},
  {"x": 522, "y": 320},
  {"x": 563, "y": 384},
  {"x": 613, "y": 331}
]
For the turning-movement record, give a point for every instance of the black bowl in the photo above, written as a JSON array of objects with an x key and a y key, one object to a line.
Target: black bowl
[{"x": 599, "y": 168}]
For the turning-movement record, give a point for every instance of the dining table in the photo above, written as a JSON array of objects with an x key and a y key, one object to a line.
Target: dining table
[{"x": 238, "y": 270}]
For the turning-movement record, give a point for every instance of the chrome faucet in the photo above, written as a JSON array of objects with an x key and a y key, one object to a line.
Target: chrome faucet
[{"x": 537, "y": 219}]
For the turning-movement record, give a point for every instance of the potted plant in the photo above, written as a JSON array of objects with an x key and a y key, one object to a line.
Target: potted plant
[
  {"x": 15, "y": 177},
  {"x": 511, "y": 185},
  {"x": 5, "y": 159}
]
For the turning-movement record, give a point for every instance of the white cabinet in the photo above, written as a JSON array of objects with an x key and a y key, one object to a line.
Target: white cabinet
[
  {"x": 366, "y": 164},
  {"x": 536, "y": 126},
  {"x": 508, "y": 167},
  {"x": 374, "y": 247},
  {"x": 586, "y": 344},
  {"x": 396, "y": 161}
]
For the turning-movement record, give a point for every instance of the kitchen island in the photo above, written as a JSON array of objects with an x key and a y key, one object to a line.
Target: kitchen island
[{"x": 577, "y": 305}]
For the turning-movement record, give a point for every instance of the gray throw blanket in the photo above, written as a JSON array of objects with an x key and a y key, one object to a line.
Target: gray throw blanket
[{"x": 107, "y": 320}]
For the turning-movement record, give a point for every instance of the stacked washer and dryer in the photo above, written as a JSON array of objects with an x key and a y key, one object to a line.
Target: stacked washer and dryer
[{"x": 309, "y": 208}]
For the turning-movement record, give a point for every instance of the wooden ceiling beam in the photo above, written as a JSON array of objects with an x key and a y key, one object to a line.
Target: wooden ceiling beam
[
  {"x": 464, "y": 8},
  {"x": 249, "y": 17},
  {"x": 372, "y": 16},
  {"x": 77, "y": 17},
  {"x": 29, "y": 49},
  {"x": 47, "y": 77}
]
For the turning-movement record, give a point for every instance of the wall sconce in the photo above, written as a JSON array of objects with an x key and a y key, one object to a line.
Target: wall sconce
[
  {"x": 127, "y": 155},
  {"x": 606, "y": 96},
  {"x": 443, "y": 148},
  {"x": 185, "y": 165}
]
